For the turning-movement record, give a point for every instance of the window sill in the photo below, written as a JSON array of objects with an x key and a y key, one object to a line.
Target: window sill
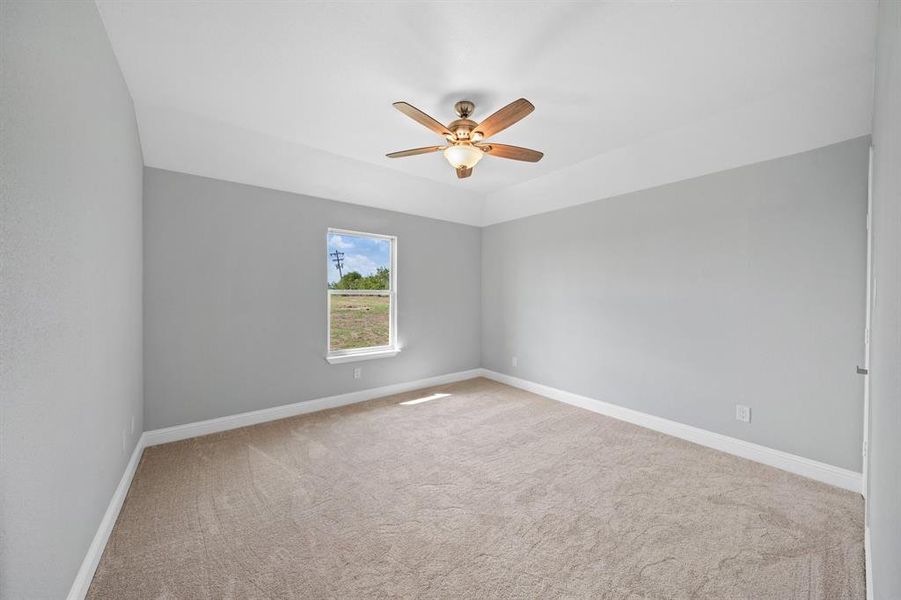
[{"x": 337, "y": 359}]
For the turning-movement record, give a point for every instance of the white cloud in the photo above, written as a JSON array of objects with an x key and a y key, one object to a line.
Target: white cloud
[
  {"x": 359, "y": 263},
  {"x": 336, "y": 241}
]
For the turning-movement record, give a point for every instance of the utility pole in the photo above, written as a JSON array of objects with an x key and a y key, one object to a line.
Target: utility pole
[{"x": 338, "y": 259}]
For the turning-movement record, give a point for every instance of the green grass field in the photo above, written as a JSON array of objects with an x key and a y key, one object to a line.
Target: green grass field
[{"x": 359, "y": 321}]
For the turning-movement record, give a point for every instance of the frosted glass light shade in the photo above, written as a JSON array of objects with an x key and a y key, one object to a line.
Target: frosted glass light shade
[{"x": 463, "y": 156}]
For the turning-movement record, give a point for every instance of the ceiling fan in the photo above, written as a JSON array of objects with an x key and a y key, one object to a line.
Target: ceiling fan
[{"x": 466, "y": 139}]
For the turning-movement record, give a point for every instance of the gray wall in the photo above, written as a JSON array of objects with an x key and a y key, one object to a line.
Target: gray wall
[
  {"x": 744, "y": 286},
  {"x": 884, "y": 500},
  {"x": 235, "y": 298},
  {"x": 70, "y": 301}
]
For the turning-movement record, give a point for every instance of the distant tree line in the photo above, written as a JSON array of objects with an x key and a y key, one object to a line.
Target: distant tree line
[{"x": 354, "y": 281}]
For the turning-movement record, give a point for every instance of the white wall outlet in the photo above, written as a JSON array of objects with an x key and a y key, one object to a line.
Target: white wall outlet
[
  {"x": 358, "y": 372},
  {"x": 124, "y": 440},
  {"x": 132, "y": 424},
  {"x": 743, "y": 413},
  {"x": 514, "y": 362}
]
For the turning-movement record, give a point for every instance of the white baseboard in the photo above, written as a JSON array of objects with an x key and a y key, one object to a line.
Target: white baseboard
[
  {"x": 868, "y": 563},
  {"x": 85, "y": 573},
  {"x": 837, "y": 476},
  {"x": 189, "y": 430}
]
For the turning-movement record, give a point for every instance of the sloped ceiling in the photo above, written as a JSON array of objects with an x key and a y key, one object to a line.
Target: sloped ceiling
[{"x": 297, "y": 95}]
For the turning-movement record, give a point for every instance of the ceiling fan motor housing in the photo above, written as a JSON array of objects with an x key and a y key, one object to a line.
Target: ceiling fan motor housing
[{"x": 462, "y": 128}]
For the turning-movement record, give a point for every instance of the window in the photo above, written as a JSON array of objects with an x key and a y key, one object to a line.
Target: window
[{"x": 362, "y": 288}]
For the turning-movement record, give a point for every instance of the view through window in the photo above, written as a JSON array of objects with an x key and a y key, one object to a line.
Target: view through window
[{"x": 360, "y": 291}]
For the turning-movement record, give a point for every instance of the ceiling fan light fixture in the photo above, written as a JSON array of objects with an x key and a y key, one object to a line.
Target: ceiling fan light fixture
[{"x": 463, "y": 155}]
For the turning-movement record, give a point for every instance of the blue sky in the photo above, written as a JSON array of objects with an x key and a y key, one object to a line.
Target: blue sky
[{"x": 361, "y": 254}]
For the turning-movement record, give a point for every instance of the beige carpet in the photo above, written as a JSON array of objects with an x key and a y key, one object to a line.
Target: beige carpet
[{"x": 490, "y": 492}]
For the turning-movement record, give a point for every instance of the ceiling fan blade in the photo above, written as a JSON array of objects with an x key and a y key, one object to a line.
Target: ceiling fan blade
[
  {"x": 505, "y": 117},
  {"x": 422, "y": 118},
  {"x": 514, "y": 152},
  {"x": 463, "y": 172},
  {"x": 415, "y": 151}
]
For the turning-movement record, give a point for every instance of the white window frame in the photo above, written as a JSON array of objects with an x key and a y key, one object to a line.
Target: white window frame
[{"x": 369, "y": 353}]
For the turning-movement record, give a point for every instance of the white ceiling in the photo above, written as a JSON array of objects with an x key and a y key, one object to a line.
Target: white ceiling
[{"x": 297, "y": 95}]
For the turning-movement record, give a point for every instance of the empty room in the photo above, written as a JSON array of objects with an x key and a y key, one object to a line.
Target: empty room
[{"x": 503, "y": 299}]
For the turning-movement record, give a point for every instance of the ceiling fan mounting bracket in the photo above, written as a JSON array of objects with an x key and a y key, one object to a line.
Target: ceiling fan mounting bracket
[{"x": 464, "y": 108}]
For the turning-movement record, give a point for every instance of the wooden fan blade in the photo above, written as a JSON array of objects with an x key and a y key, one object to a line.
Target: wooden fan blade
[
  {"x": 514, "y": 152},
  {"x": 415, "y": 151},
  {"x": 464, "y": 172},
  {"x": 505, "y": 117},
  {"x": 422, "y": 118}
]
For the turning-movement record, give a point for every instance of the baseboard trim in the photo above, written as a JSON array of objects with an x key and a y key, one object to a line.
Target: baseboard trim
[
  {"x": 837, "y": 476},
  {"x": 868, "y": 563},
  {"x": 85, "y": 573},
  {"x": 189, "y": 430}
]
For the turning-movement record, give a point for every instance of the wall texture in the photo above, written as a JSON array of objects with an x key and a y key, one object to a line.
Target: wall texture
[
  {"x": 740, "y": 287},
  {"x": 884, "y": 499},
  {"x": 235, "y": 298},
  {"x": 70, "y": 302}
]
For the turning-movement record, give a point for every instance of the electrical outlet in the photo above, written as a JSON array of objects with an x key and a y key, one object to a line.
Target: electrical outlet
[
  {"x": 124, "y": 440},
  {"x": 132, "y": 424},
  {"x": 742, "y": 413},
  {"x": 514, "y": 362},
  {"x": 358, "y": 372}
]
